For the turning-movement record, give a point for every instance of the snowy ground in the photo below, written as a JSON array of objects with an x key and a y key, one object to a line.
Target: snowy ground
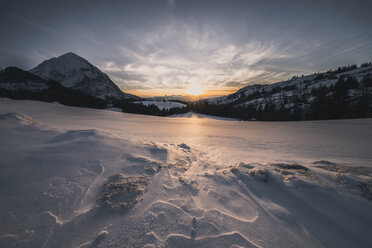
[
  {"x": 197, "y": 115},
  {"x": 77, "y": 177}
]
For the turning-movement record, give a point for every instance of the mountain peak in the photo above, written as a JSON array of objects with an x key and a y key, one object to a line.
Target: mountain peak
[
  {"x": 70, "y": 56},
  {"x": 75, "y": 72},
  {"x": 69, "y": 61}
]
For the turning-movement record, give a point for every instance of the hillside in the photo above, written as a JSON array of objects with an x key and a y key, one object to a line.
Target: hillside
[{"x": 342, "y": 93}]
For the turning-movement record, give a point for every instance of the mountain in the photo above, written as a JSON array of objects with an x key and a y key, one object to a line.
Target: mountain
[
  {"x": 69, "y": 79},
  {"x": 16, "y": 83},
  {"x": 75, "y": 72},
  {"x": 343, "y": 93}
]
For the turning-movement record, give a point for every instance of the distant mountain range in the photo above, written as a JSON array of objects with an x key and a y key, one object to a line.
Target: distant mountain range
[{"x": 71, "y": 80}]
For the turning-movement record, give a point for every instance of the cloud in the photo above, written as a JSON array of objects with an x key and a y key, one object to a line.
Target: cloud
[
  {"x": 168, "y": 44},
  {"x": 179, "y": 54},
  {"x": 234, "y": 84}
]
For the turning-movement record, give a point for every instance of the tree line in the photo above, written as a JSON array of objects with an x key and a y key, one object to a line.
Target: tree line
[{"x": 332, "y": 102}]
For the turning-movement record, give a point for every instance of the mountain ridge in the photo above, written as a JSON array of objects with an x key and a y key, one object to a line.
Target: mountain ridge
[
  {"x": 75, "y": 72},
  {"x": 342, "y": 93}
]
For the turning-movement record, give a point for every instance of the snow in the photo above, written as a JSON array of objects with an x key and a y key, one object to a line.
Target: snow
[
  {"x": 163, "y": 104},
  {"x": 75, "y": 72},
  {"x": 114, "y": 109},
  {"x": 78, "y": 177},
  {"x": 65, "y": 68},
  {"x": 358, "y": 71},
  {"x": 197, "y": 115},
  {"x": 322, "y": 83},
  {"x": 303, "y": 86}
]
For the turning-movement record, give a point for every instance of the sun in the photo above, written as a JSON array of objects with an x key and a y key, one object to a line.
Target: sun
[{"x": 194, "y": 90}]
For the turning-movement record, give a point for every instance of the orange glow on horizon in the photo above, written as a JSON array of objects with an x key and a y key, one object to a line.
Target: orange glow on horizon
[
  {"x": 182, "y": 92},
  {"x": 194, "y": 90}
]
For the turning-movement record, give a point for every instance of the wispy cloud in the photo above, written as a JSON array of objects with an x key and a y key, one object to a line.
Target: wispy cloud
[
  {"x": 178, "y": 55},
  {"x": 171, "y": 44}
]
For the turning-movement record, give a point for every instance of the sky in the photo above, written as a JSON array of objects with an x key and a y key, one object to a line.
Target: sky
[{"x": 159, "y": 47}]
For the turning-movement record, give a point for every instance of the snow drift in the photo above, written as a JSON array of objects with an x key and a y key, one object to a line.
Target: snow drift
[{"x": 74, "y": 177}]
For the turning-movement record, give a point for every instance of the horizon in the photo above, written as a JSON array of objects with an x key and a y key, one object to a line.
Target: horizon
[
  {"x": 204, "y": 94},
  {"x": 212, "y": 94}
]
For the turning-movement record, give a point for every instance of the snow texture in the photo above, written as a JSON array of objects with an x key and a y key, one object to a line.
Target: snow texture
[{"x": 78, "y": 177}]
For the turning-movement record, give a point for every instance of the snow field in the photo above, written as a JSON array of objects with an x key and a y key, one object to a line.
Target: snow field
[{"x": 70, "y": 181}]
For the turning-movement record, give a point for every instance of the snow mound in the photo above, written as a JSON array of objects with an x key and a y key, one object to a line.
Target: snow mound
[
  {"x": 339, "y": 168},
  {"x": 123, "y": 192},
  {"x": 257, "y": 172},
  {"x": 144, "y": 164},
  {"x": 291, "y": 167},
  {"x": 18, "y": 118},
  {"x": 355, "y": 179}
]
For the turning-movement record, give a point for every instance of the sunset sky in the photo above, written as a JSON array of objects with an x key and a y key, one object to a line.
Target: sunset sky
[{"x": 168, "y": 47}]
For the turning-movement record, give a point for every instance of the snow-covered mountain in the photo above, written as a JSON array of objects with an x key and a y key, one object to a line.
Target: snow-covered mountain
[
  {"x": 339, "y": 93},
  {"x": 75, "y": 72},
  {"x": 16, "y": 83}
]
